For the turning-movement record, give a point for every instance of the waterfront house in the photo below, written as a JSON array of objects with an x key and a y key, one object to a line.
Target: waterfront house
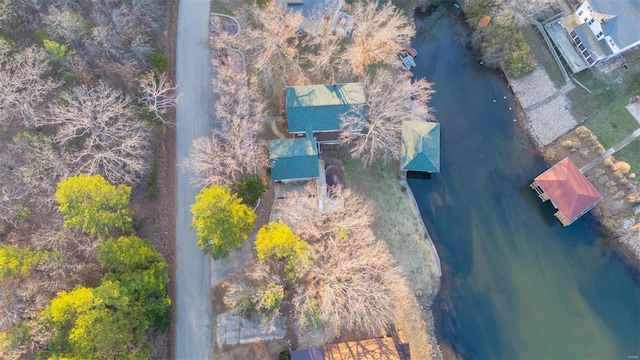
[
  {"x": 320, "y": 107},
  {"x": 294, "y": 159},
  {"x": 596, "y": 31},
  {"x": 420, "y": 147},
  {"x": 569, "y": 190}
]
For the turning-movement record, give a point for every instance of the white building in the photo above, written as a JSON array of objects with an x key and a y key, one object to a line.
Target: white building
[{"x": 601, "y": 29}]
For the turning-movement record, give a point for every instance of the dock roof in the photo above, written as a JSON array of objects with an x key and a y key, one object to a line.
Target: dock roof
[
  {"x": 568, "y": 189},
  {"x": 420, "y": 146},
  {"x": 320, "y": 106}
]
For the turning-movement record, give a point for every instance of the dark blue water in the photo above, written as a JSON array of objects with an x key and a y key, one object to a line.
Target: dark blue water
[{"x": 516, "y": 283}]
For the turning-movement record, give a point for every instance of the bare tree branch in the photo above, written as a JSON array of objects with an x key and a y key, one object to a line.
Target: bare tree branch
[
  {"x": 353, "y": 282},
  {"x": 390, "y": 99},
  {"x": 325, "y": 48},
  {"x": 157, "y": 95},
  {"x": 24, "y": 87},
  {"x": 101, "y": 133},
  {"x": 378, "y": 35},
  {"x": 12, "y": 191},
  {"x": 42, "y": 166},
  {"x": 6, "y": 12},
  {"x": 235, "y": 149},
  {"x": 65, "y": 24},
  {"x": 270, "y": 35}
]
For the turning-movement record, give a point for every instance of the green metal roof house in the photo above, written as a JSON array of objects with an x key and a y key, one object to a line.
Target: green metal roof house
[
  {"x": 294, "y": 159},
  {"x": 420, "y": 146},
  {"x": 320, "y": 106}
]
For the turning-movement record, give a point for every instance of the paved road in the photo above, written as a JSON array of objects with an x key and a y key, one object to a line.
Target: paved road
[{"x": 194, "y": 119}]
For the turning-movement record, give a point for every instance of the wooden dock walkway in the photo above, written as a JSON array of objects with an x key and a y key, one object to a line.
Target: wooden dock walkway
[{"x": 634, "y": 135}]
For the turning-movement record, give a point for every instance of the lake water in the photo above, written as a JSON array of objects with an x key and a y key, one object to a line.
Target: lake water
[{"x": 516, "y": 283}]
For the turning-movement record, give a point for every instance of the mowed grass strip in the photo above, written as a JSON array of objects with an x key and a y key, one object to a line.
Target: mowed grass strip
[{"x": 614, "y": 122}]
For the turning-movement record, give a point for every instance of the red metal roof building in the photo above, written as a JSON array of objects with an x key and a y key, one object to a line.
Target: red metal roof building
[{"x": 568, "y": 189}]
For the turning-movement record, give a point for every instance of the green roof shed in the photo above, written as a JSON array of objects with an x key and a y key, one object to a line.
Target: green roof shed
[
  {"x": 294, "y": 159},
  {"x": 320, "y": 106},
  {"x": 420, "y": 146}
]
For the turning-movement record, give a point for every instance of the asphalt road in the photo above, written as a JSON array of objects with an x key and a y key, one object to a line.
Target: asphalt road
[{"x": 194, "y": 118}]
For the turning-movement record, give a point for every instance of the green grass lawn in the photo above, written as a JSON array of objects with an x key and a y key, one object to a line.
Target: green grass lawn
[
  {"x": 228, "y": 6},
  {"x": 602, "y": 95},
  {"x": 613, "y": 123},
  {"x": 541, "y": 53}
]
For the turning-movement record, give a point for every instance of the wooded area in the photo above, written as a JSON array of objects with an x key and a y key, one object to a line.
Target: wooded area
[{"x": 84, "y": 92}]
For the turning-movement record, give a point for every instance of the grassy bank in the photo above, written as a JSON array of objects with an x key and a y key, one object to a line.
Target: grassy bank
[
  {"x": 396, "y": 223},
  {"x": 613, "y": 123},
  {"x": 602, "y": 96},
  {"x": 604, "y": 113},
  {"x": 541, "y": 53}
]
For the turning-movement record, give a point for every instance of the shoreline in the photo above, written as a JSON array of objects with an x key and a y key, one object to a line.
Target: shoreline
[
  {"x": 427, "y": 309},
  {"x": 629, "y": 254},
  {"x": 416, "y": 212}
]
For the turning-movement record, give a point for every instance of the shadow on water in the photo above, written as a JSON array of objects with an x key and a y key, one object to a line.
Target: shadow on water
[{"x": 516, "y": 283}]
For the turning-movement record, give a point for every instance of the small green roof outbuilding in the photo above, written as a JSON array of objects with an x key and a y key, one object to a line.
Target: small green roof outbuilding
[
  {"x": 420, "y": 146},
  {"x": 320, "y": 106},
  {"x": 294, "y": 159}
]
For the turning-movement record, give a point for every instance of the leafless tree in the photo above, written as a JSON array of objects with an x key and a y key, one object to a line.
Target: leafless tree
[
  {"x": 117, "y": 73},
  {"x": 271, "y": 36},
  {"x": 28, "y": 11},
  {"x": 378, "y": 35},
  {"x": 237, "y": 96},
  {"x": 12, "y": 189},
  {"x": 324, "y": 48},
  {"x": 522, "y": 10},
  {"x": 41, "y": 166},
  {"x": 352, "y": 286},
  {"x": 76, "y": 248},
  {"x": 101, "y": 133},
  {"x": 6, "y": 12},
  {"x": 391, "y": 98},
  {"x": 123, "y": 30},
  {"x": 353, "y": 282},
  {"x": 249, "y": 291},
  {"x": 65, "y": 24},
  {"x": 5, "y": 49},
  {"x": 24, "y": 86},
  {"x": 157, "y": 95},
  {"x": 235, "y": 149},
  {"x": 222, "y": 159},
  {"x": 352, "y": 214}
]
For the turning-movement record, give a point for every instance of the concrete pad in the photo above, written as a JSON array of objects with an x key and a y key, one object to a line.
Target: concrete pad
[
  {"x": 231, "y": 330},
  {"x": 634, "y": 110}
]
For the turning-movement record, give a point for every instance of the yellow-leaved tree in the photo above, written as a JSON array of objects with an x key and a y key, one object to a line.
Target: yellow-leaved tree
[
  {"x": 114, "y": 319},
  {"x": 277, "y": 239},
  {"x": 221, "y": 221},
  {"x": 17, "y": 261},
  {"x": 95, "y": 206}
]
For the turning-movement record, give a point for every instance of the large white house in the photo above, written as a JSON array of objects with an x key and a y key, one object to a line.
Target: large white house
[{"x": 601, "y": 29}]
